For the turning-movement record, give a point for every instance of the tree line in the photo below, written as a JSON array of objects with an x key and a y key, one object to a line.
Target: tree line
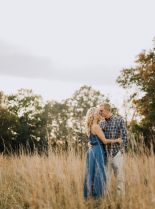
[
  {"x": 140, "y": 79},
  {"x": 29, "y": 123}
]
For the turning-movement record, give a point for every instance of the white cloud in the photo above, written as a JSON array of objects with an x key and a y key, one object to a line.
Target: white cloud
[
  {"x": 55, "y": 47},
  {"x": 15, "y": 62}
]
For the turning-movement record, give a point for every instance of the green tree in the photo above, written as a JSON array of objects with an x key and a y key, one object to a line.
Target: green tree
[
  {"x": 56, "y": 118},
  {"x": 28, "y": 107},
  {"x": 141, "y": 79},
  {"x": 9, "y": 125},
  {"x": 78, "y": 104},
  {"x": 65, "y": 120}
]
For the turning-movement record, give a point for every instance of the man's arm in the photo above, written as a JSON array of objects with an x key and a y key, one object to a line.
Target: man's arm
[{"x": 123, "y": 133}]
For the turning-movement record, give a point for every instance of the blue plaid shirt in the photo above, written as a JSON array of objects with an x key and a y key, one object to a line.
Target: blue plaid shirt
[{"x": 114, "y": 128}]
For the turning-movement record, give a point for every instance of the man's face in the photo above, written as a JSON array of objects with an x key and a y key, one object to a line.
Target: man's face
[{"x": 102, "y": 111}]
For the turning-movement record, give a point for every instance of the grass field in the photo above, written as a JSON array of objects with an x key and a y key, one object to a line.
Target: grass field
[{"x": 56, "y": 182}]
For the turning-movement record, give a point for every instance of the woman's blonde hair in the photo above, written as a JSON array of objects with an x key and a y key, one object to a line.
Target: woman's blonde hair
[{"x": 90, "y": 116}]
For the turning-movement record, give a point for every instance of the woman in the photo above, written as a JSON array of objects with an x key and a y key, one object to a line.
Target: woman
[{"x": 95, "y": 177}]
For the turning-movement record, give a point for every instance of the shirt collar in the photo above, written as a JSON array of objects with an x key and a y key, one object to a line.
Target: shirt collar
[{"x": 108, "y": 119}]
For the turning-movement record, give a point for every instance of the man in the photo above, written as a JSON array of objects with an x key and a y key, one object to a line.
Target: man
[{"x": 114, "y": 127}]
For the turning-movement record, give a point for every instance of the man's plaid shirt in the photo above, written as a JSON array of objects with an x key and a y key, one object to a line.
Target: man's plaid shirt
[{"x": 114, "y": 128}]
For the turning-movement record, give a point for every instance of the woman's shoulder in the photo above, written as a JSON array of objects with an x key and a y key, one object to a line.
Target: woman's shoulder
[{"x": 95, "y": 127}]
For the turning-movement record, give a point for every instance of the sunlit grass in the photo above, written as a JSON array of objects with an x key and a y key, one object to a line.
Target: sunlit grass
[{"x": 56, "y": 182}]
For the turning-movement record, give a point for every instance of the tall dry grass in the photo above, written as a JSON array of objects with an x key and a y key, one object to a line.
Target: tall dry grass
[{"x": 56, "y": 182}]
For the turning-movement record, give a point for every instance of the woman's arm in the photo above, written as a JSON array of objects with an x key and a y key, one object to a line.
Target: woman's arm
[{"x": 101, "y": 136}]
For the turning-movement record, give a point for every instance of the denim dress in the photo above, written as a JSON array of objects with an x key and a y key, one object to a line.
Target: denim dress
[{"x": 95, "y": 176}]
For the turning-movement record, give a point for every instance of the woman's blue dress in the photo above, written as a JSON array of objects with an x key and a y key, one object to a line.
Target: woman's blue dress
[{"x": 95, "y": 176}]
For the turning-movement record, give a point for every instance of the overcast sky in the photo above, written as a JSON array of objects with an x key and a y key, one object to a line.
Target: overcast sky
[{"x": 56, "y": 46}]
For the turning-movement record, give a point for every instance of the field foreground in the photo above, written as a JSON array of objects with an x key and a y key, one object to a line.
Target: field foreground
[{"x": 56, "y": 182}]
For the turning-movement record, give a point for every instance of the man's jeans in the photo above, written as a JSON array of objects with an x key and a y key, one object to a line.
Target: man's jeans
[{"x": 117, "y": 165}]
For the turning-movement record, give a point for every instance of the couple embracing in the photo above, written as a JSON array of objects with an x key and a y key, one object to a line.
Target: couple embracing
[{"x": 107, "y": 142}]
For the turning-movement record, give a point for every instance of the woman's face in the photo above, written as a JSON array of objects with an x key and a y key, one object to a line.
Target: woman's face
[{"x": 98, "y": 115}]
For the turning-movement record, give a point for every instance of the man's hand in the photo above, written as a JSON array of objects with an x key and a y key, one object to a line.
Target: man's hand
[
  {"x": 119, "y": 140},
  {"x": 123, "y": 151},
  {"x": 89, "y": 145}
]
